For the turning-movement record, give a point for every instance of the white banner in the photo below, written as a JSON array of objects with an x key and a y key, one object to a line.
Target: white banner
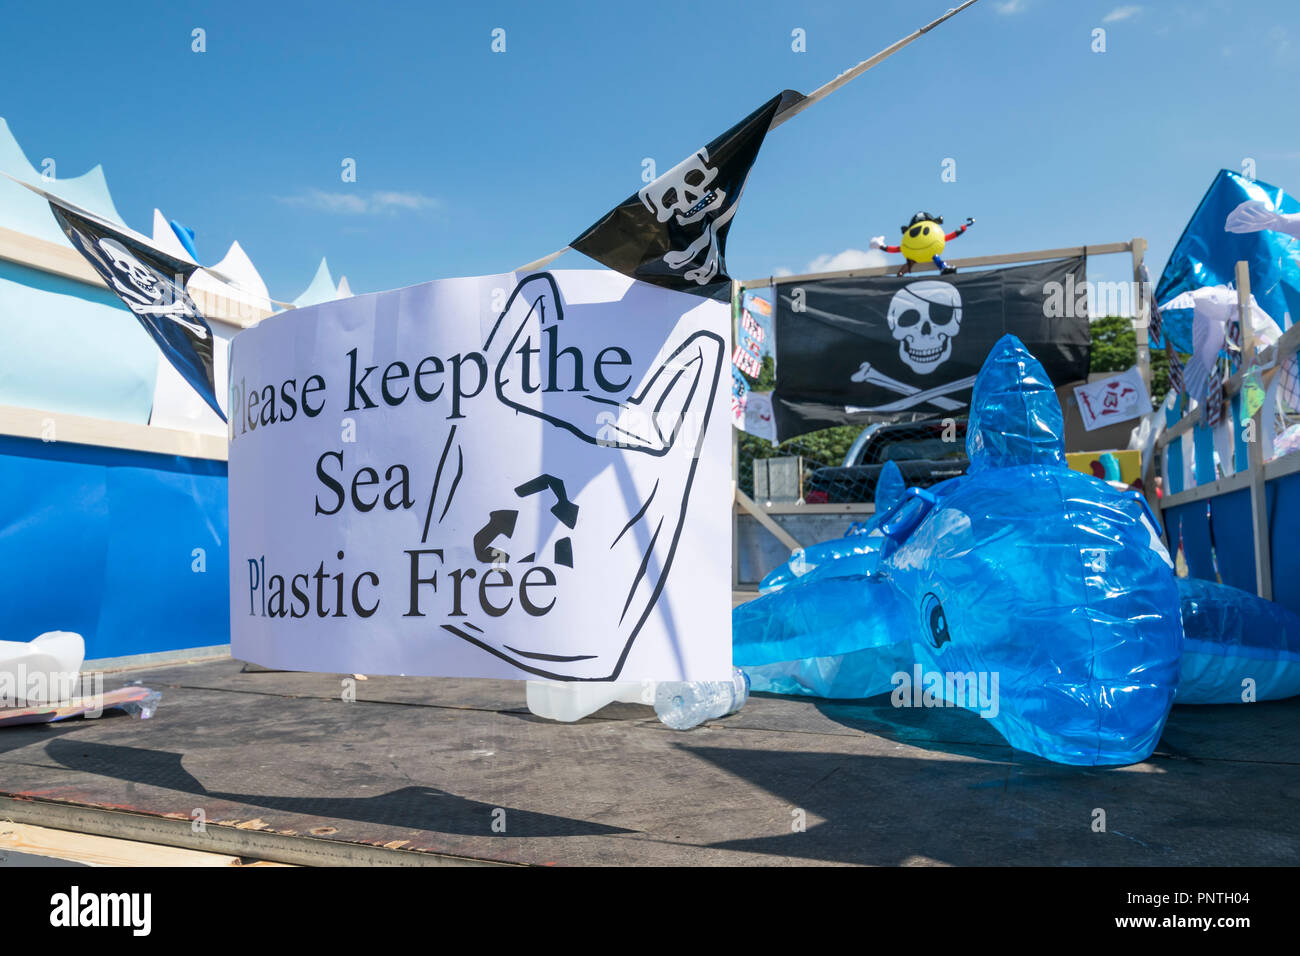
[
  {"x": 1115, "y": 399},
  {"x": 485, "y": 477}
]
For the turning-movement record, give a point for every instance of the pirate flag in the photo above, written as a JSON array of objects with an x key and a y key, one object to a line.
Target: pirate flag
[
  {"x": 152, "y": 285},
  {"x": 673, "y": 232},
  {"x": 899, "y": 349}
]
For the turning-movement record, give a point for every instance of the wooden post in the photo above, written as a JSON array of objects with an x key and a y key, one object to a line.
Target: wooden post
[
  {"x": 1142, "y": 305},
  {"x": 1141, "y": 314},
  {"x": 1258, "y": 489},
  {"x": 736, "y": 289}
]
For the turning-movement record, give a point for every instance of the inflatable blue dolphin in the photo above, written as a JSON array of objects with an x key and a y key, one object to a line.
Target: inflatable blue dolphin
[{"x": 1039, "y": 596}]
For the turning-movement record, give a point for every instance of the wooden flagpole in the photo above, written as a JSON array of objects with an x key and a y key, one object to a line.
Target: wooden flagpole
[{"x": 816, "y": 95}]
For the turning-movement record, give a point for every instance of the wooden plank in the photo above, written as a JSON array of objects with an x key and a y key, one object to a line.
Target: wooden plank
[
  {"x": 974, "y": 262},
  {"x": 1141, "y": 309},
  {"x": 46, "y": 256},
  {"x": 1258, "y": 491},
  {"x": 1229, "y": 483},
  {"x": 785, "y": 537},
  {"x": 99, "y": 850},
  {"x": 735, "y": 444},
  {"x": 833, "y": 508},
  {"x": 49, "y": 426},
  {"x": 66, "y": 262},
  {"x": 296, "y": 850}
]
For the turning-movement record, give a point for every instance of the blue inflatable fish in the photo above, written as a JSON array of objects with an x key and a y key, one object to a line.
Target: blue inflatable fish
[
  {"x": 855, "y": 553},
  {"x": 1037, "y": 595},
  {"x": 1237, "y": 647}
]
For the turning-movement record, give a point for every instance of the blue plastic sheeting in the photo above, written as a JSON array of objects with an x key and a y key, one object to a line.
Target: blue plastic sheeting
[
  {"x": 1237, "y": 647},
  {"x": 1022, "y": 571},
  {"x": 69, "y": 347},
  {"x": 1206, "y": 254},
  {"x": 106, "y": 543}
]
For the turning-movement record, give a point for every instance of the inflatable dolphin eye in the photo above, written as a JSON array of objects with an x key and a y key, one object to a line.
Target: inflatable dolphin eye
[{"x": 1015, "y": 416}]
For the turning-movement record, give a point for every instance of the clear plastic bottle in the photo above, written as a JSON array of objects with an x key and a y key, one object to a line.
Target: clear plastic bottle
[{"x": 682, "y": 706}]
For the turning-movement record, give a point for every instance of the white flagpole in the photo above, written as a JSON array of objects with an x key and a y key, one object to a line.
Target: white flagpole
[
  {"x": 824, "y": 91},
  {"x": 818, "y": 94}
]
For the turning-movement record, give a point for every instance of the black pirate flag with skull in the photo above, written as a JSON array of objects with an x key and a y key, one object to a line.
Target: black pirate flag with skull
[
  {"x": 884, "y": 348},
  {"x": 152, "y": 285},
  {"x": 673, "y": 231}
]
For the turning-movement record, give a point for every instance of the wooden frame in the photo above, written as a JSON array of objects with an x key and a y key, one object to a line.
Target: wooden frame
[
  {"x": 66, "y": 262},
  {"x": 1258, "y": 472},
  {"x": 46, "y": 426}
]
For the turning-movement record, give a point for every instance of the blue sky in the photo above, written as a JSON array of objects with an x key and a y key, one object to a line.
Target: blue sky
[{"x": 470, "y": 161}]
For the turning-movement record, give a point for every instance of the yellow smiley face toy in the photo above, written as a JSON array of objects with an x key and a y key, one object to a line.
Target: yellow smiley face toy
[{"x": 923, "y": 241}]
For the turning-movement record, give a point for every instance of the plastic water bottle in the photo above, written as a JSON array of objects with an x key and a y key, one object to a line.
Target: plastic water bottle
[{"x": 682, "y": 706}]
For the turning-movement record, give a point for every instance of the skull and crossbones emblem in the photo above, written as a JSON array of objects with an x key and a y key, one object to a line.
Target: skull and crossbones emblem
[
  {"x": 687, "y": 194},
  {"x": 146, "y": 292},
  {"x": 133, "y": 278},
  {"x": 925, "y": 318}
]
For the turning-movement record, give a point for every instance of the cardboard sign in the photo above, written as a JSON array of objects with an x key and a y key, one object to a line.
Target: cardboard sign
[
  {"x": 486, "y": 477},
  {"x": 1114, "y": 399}
]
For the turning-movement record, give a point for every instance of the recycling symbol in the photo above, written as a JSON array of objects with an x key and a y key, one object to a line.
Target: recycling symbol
[{"x": 501, "y": 523}]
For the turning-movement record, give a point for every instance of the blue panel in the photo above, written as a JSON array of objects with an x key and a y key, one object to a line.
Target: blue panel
[
  {"x": 102, "y": 542},
  {"x": 66, "y": 346},
  {"x": 1191, "y": 521},
  {"x": 1203, "y": 448},
  {"x": 1284, "y": 521},
  {"x": 1174, "y": 466},
  {"x": 1174, "y": 453},
  {"x": 1233, "y": 538}
]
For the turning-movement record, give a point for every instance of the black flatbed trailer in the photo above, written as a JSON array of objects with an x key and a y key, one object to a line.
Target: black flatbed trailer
[{"x": 421, "y": 771}]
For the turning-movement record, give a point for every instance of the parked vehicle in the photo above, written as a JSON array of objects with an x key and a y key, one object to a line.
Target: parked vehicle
[{"x": 926, "y": 453}]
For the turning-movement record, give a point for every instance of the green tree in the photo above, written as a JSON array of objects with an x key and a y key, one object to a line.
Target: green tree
[{"x": 1114, "y": 349}]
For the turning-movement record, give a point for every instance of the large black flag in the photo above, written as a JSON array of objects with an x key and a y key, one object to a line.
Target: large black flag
[
  {"x": 152, "y": 285},
  {"x": 673, "y": 232},
  {"x": 907, "y": 348}
]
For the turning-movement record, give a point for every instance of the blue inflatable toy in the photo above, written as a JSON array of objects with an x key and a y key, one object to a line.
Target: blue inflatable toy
[
  {"x": 861, "y": 545},
  {"x": 1236, "y": 647},
  {"x": 1038, "y": 596}
]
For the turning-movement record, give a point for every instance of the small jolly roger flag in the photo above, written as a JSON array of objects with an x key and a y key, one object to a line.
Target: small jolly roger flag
[
  {"x": 673, "y": 232},
  {"x": 152, "y": 285}
]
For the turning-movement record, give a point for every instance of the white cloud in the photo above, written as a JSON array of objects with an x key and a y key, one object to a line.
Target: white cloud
[
  {"x": 1121, "y": 13},
  {"x": 1010, "y": 6},
  {"x": 848, "y": 259},
  {"x": 377, "y": 203},
  {"x": 838, "y": 262}
]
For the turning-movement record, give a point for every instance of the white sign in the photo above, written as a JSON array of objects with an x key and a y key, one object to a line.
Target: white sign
[
  {"x": 759, "y": 420},
  {"x": 1115, "y": 399},
  {"x": 485, "y": 477}
]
